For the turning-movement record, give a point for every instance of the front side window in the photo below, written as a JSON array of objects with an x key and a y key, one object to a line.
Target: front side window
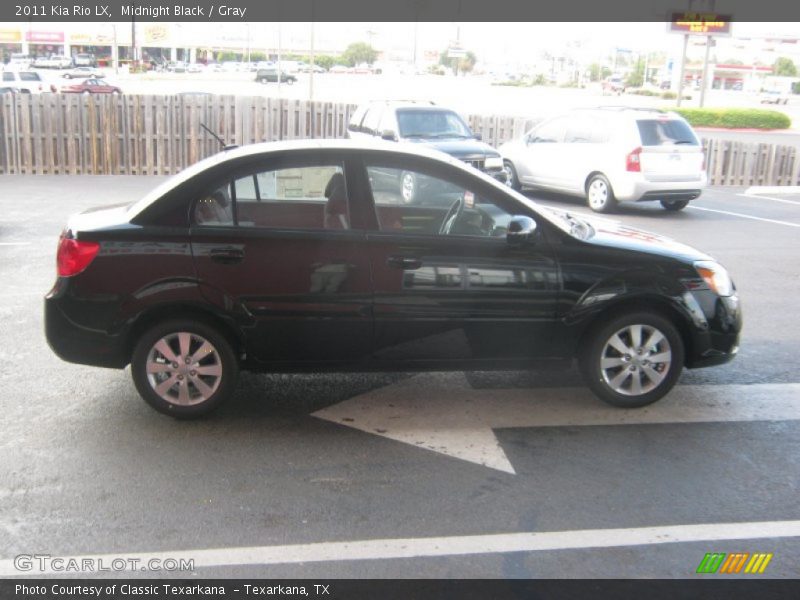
[{"x": 414, "y": 202}]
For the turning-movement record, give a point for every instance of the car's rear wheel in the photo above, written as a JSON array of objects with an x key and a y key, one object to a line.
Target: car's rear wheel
[
  {"x": 599, "y": 195},
  {"x": 184, "y": 368},
  {"x": 633, "y": 360},
  {"x": 674, "y": 204},
  {"x": 512, "y": 180}
]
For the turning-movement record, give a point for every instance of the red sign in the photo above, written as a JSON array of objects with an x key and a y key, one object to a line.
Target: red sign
[
  {"x": 45, "y": 37},
  {"x": 700, "y": 23}
]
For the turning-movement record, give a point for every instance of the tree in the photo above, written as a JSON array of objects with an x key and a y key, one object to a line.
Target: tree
[
  {"x": 359, "y": 52},
  {"x": 636, "y": 77},
  {"x": 324, "y": 61},
  {"x": 785, "y": 67},
  {"x": 596, "y": 72},
  {"x": 467, "y": 63}
]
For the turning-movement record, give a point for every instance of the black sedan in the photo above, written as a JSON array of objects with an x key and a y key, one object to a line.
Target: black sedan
[
  {"x": 300, "y": 256},
  {"x": 272, "y": 75}
]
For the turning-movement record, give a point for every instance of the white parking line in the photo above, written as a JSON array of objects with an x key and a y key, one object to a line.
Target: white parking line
[
  {"x": 783, "y": 200},
  {"x": 404, "y": 548},
  {"x": 733, "y": 214},
  {"x": 772, "y": 189}
]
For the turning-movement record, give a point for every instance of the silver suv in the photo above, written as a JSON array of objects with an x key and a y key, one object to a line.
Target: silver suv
[
  {"x": 27, "y": 82},
  {"x": 610, "y": 155}
]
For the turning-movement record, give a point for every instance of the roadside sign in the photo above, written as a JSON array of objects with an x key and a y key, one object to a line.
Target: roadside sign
[{"x": 700, "y": 23}]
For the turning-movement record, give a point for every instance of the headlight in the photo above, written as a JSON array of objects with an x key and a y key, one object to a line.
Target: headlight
[
  {"x": 493, "y": 162},
  {"x": 715, "y": 276}
]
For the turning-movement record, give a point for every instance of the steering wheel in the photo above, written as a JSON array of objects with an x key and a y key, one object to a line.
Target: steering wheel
[{"x": 451, "y": 217}]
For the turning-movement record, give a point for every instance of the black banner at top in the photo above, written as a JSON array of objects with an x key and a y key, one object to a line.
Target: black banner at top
[{"x": 53, "y": 11}]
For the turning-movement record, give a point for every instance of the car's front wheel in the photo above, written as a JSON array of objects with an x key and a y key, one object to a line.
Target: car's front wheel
[
  {"x": 512, "y": 180},
  {"x": 184, "y": 368},
  {"x": 633, "y": 360},
  {"x": 599, "y": 195},
  {"x": 674, "y": 204}
]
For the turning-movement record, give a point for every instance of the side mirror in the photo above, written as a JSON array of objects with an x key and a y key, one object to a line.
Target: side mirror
[
  {"x": 521, "y": 230},
  {"x": 388, "y": 135},
  {"x": 477, "y": 136}
]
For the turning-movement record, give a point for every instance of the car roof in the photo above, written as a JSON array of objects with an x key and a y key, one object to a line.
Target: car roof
[{"x": 426, "y": 104}]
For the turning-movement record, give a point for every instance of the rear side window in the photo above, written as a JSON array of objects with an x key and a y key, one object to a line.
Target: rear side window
[
  {"x": 8, "y": 76},
  {"x": 29, "y": 77},
  {"x": 665, "y": 132}
]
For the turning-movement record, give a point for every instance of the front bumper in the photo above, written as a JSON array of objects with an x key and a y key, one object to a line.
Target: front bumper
[{"x": 718, "y": 328}]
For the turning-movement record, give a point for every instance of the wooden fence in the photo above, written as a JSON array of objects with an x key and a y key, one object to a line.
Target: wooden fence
[{"x": 160, "y": 135}]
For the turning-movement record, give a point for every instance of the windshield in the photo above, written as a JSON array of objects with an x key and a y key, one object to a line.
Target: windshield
[{"x": 431, "y": 124}]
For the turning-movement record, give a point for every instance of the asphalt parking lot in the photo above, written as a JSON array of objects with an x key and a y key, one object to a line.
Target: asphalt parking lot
[{"x": 409, "y": 475}]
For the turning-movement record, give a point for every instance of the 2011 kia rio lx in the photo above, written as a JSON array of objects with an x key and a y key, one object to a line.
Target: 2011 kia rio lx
[{"x": 303, "y": 256}]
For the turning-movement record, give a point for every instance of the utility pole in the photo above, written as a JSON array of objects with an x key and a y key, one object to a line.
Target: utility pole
[
  {"x": 683, "y": 68},
  {"x": 311, "y": 60},
  {"x": 705, "y": 83}
]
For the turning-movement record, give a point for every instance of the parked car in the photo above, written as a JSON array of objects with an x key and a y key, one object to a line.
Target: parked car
[
  {"x": 613, "y": 85},
  {"x": 18, "y": 60},
  {"x": 429, "y": 125},
  {"x": 82, "y": 73},
  {"x": 195, "y": 68},
  {"x": 85, "y": 60},
  {"x": 8, "y": 90},
  {"x": 610, "y": 155},
  {"x": 271, "y": 75},
  {"x": 774, "y": 97},
  {"x": 91, "y": 86},
  {"x": 27, "y": 82},
  {"x": 54, "y": 61},
  {"x": 318, "y": 264}
]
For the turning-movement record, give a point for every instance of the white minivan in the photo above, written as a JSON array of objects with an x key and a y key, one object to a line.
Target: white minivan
[
  {"x": 27, "y": 82},
  {"x": 610, "y": 155}
]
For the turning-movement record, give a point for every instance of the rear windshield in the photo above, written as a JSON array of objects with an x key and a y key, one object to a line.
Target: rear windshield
[
  {"x": 665, "y": 132},
  {"x": 29, "y": 77}
]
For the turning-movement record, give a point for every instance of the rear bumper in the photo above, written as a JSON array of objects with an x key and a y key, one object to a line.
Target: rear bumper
[
  {"x": 76, "y": 344},
  {"x": 636, "y": 188}
]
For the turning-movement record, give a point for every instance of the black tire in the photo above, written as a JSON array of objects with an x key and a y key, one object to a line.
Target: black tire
[
  {"x": 601, "y": 379},
  {"x": 597, "y": 199},
  {"x": 512, "y": 180},
  {"x": 199, "y": 400},
  {"x": 674, "y": 204}
]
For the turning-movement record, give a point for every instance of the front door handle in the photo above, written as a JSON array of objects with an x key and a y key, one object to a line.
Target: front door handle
[
  {"x": 227, "y": 256},
  {"x": 404, "y": 262}
]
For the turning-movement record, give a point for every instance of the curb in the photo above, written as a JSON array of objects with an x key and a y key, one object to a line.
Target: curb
[
  {"x": 725, "y": 129},
  {"x": 772, "y": 189}
]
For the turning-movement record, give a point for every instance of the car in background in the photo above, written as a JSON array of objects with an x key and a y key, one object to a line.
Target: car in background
[
  {"x": 27, "y": 82},
  {"x": 610, "y": 155},
  {"x": 340, "y": 69},
  {"x": 614, "y": 84},
  {"x": 774, "y": 96},
  {"x": 84, "y": 60},
  {"x": 195, "y": 68},
  {"x": 54, "y": 61},
  {"x": 425, "y": 124},
  {"x": 5, "y": 89},
  {"x": 272, "y": 74},
  {"x": 82, "y": 73},
  {"x": 18, "y": 60},
  {"x": 91, "y": 86},
  {"x": 292, "y": 256}
]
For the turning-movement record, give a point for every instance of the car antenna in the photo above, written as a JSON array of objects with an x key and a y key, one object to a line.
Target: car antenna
[{"x": 219, "y": 139}]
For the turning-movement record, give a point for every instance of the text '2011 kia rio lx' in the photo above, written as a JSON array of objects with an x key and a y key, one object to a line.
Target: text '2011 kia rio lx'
[{"x": 304, "y": 256}]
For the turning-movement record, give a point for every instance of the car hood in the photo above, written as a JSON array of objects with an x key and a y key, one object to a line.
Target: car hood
[
  {"x": 459, "y": 148},
  {"x": 613, "y": 234}
]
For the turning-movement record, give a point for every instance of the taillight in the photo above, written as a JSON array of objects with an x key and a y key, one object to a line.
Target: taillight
[
  {"x": 74, "y": 255},
  {"x": 632, "y": 162}
]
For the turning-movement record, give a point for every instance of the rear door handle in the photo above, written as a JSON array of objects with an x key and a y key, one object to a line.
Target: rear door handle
[
  {"x": 227, "y": 256},
  {"x": 404, "y": 262}
]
